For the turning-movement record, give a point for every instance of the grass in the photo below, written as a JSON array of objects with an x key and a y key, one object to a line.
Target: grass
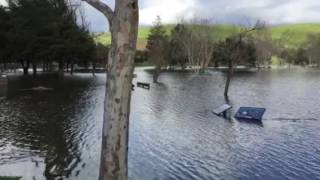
[
  {"x": 276, "y": 61},
  {"x": 9, "y": 178},
  {"x": 297, "y": 33}
]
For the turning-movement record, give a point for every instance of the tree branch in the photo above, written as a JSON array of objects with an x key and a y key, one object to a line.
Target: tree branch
[{"x": 102, "y": 7}]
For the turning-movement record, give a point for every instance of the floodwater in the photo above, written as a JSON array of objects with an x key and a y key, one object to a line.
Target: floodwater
[{"x": 56, "y": 134}]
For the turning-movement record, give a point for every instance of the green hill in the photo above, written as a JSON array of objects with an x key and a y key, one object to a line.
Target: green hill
[{"x": 297, "y": 33}]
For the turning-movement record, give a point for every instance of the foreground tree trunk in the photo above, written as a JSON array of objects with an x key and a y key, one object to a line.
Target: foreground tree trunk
[{"x": 124, "y": 29}]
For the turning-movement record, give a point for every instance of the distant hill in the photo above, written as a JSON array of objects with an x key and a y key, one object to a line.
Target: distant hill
[{"x": 297, "y": 33}]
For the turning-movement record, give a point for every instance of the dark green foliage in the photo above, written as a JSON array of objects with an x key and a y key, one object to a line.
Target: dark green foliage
[
  {"x": 241, "y": 52},
  {"x": 157, "y": 36},
  {"x": 141, "y": 56},
  {"x": 9, "y": 178},
  {"x": 158, "y": 47},
  {"x": 43, "y": 31},
  {"x": 177, "y": 54}
]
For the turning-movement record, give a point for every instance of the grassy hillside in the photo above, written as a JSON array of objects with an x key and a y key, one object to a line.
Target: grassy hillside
[{"x": 296, "y": 32}]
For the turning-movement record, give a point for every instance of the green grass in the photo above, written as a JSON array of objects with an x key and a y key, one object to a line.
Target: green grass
[
  {"x": 297, "y": 33},
  {"x": 276, "y": 61},
  {"x": 9, "y": 178}
]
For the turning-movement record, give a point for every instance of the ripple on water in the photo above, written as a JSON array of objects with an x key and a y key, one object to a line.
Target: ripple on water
[{"x": 173, "y": 134}]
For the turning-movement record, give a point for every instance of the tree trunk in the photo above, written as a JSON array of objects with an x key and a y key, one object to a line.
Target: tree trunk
[
  {"x": 61, "y": 67},
  {"x": 68, "y": 66},
  {"x": 34, "y": 67},
  {"x": 229, "y": 76},
  {"x": 4, "y": 66},
  {"x": 156, "y": 74},
  {"x": 124, "y": 30},
  {"x": 25, "y": 66},
  {"x": 71, "y": 68},
  {"x": 43, "y": 67},
  {"x": 93, "y": 68}
]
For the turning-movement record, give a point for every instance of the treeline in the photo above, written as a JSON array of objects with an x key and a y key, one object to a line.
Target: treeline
[
  {"x": 307, "y": 54},
  {"x": 44, "y": 33},
  {"x": 196, "y": 45}
]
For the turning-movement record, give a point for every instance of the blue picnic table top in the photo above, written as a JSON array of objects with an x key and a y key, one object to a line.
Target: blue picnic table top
[{"x": 250, "y": 113}]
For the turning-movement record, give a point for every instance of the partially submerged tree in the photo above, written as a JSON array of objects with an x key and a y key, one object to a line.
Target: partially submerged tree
[
  {"x": 263, "y": 44},
  {"x": 157, "y": 47},
  {"x": 177, "y": 53},
  {"x": 236, "y": 51},
  {"x": 44, "y": 31},
  {"x": 123, "y": 20},
  {"x": 196, "y": 39},
  {"x": 312, "y": 47},
  {"x": 203, "y": 42}
]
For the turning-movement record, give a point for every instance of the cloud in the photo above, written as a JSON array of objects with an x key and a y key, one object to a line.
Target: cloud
[
  {"x": 221, "y": 11},
  {"x": 272, "y": 11},
  {"x": 3, "y": 2},
  {"x": 169, "y": 10}
]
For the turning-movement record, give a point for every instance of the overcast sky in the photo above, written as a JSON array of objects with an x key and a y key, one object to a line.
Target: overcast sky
[{"x": 221, "y": 11}]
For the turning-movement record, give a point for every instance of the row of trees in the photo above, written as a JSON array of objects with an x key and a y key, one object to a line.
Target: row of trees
[
  {"x": 289, "y": 53},
  {"x": 40, "y": 32},
  {"x": 197, "y": 45}
]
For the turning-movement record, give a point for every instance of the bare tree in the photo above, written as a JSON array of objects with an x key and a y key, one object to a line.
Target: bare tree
[
  {"x": 263, "y": 44},
  {"x": 197, "y": 39},
  {"x": 235, "y": 46},
  {"x": 203, "y": 42},
  {"x": 123, "y": 20}
]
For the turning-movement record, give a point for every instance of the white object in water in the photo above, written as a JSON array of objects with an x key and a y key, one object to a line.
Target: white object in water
[
  {"x": 39, "y": 88},
  {"x": 218, "y": 111}
]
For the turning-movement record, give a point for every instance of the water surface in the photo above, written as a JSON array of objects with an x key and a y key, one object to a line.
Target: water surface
[{"x": 173, "y": 134}]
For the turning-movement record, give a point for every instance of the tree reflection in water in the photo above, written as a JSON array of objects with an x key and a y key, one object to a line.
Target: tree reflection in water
[{"x": 43, "y": 124}]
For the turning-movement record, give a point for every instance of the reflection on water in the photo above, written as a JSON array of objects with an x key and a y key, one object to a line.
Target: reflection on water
[{"x": 173, "y": 134}]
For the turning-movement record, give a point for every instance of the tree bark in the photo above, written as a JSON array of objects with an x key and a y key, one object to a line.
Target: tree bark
[
  {"x": 61, "y": 68},
  {"x": 93, "y": 68},
  {"x": 25, "y": 66},
  {"x": 156, "y": 74},
  {"x": 229, "y": 76},
  {"x": 71, "y": 68},
  {"x": 68, "y": 66},
  {"x": 34, "y": 68},
  {"x": 124, "y": 22}
]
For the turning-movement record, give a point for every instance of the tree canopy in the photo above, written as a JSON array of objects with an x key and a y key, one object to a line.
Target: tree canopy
[{"x": 35, "y": 31}]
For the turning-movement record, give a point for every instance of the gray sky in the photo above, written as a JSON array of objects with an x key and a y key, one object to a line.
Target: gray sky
[{"x": 221, "y": 11}]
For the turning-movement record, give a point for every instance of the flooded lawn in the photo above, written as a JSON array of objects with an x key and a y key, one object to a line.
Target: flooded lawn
[{"x": 56, "y": 132}]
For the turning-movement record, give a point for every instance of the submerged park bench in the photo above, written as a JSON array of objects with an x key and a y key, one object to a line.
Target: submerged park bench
[
  {"x": 250, "y": 113},
  {"x": 143, "y": 85},
  {"x": 222, "y": 110},
  {"x": 244, "y": 113}
]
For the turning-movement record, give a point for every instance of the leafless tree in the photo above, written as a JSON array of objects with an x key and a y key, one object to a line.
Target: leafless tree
[
  {"x": 264, "y": 47},
  {"x": 123, "y": 20},
  {"x": 196, "y": 38},
  {"x": 236, "y": 52}
]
